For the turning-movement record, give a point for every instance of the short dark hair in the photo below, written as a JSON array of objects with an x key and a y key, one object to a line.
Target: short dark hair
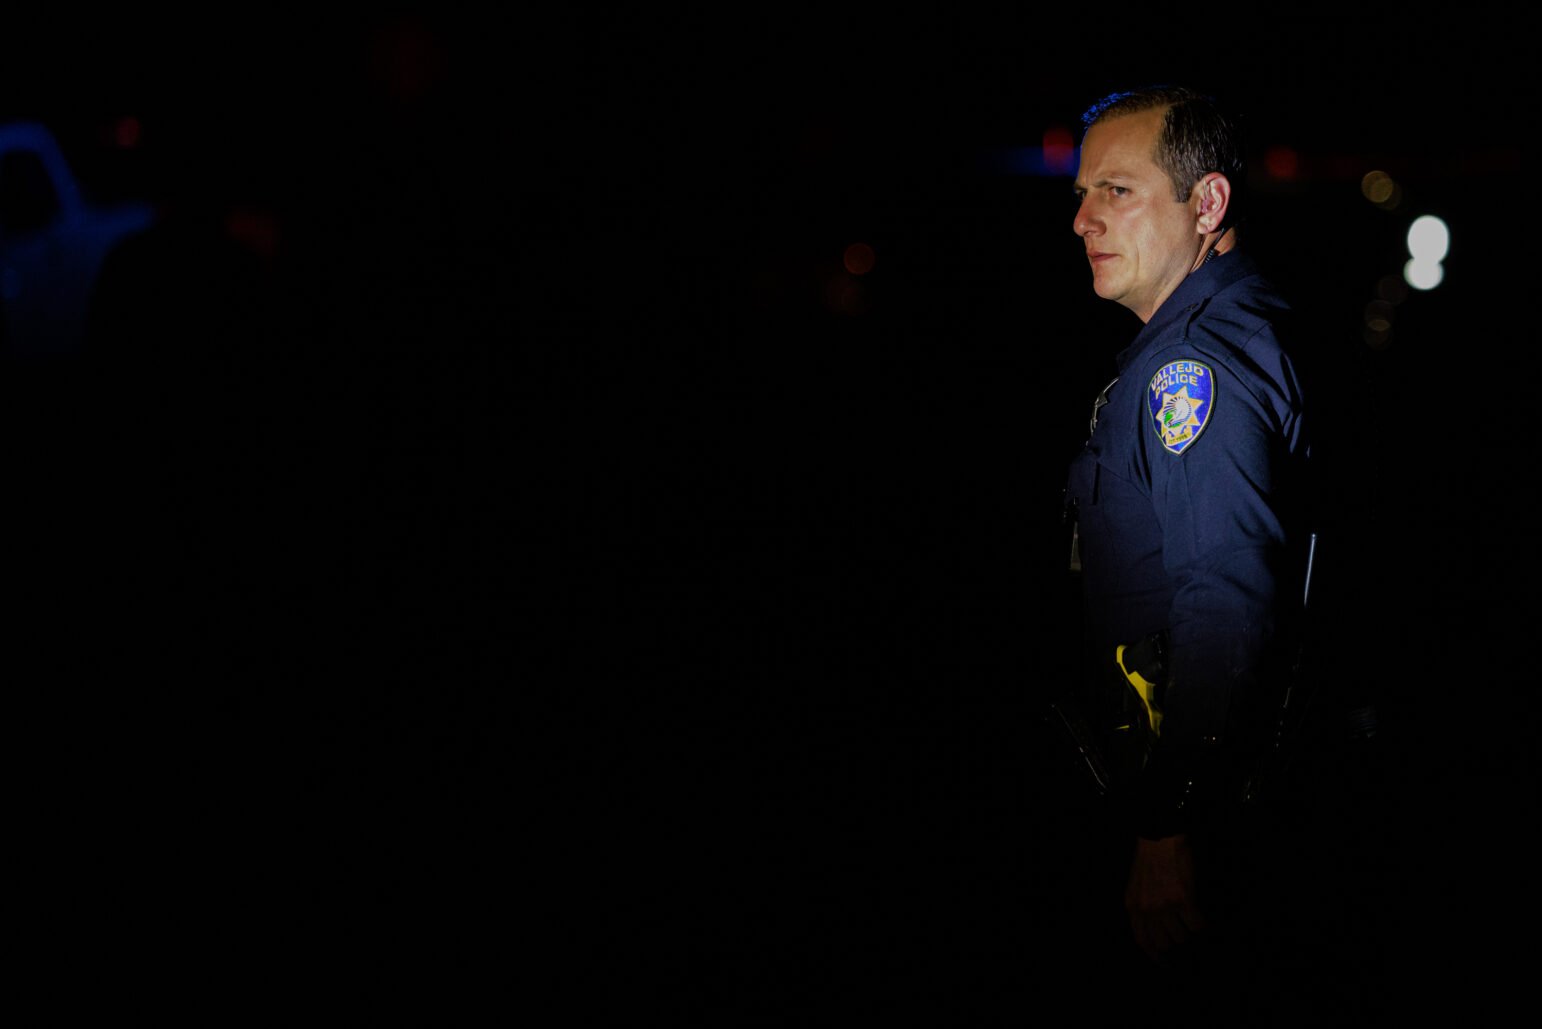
[{"x": 1198, "y": 136}]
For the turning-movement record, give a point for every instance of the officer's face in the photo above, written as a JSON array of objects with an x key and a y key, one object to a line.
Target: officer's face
[{"x": 1140, "y": 242}]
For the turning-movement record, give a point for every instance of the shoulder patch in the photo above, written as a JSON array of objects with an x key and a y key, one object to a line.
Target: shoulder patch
[{"x": 1181, "y": 397}]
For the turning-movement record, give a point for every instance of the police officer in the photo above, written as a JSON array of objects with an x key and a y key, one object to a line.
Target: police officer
[{"x": 1190, "y": 502}]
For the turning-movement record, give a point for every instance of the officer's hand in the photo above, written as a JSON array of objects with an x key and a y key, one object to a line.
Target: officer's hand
[{"x": 1160, "y": 895}]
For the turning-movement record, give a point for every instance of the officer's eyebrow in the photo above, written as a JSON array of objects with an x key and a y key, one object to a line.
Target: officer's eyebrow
[{"x": 1116, "y": 177}]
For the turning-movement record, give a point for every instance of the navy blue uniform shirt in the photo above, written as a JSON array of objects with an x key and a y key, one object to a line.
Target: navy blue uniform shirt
[{"x": 1189, "y": 494}]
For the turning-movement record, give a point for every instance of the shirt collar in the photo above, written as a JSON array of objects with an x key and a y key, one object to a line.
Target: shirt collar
[{"x": 1199, "y": 286}]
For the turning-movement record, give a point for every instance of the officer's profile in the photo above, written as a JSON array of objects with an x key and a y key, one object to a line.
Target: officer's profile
[{"x": 1189, "y": 515}]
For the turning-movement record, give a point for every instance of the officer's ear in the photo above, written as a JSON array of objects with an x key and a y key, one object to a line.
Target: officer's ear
[{"x": 1212, "y": 195}]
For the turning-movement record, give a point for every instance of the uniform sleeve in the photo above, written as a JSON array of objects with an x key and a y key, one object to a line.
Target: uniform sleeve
[{"x": 1216, "y": 446}]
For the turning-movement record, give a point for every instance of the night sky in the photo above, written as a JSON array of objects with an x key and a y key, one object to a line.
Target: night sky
[{"x": 487, "y": 508}]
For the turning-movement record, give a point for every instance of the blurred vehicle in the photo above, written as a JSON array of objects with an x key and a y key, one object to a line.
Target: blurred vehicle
[{"x": 53, "y": 241}]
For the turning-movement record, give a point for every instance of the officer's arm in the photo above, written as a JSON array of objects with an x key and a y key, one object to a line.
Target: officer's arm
[{"x": 1224, "y": 541}]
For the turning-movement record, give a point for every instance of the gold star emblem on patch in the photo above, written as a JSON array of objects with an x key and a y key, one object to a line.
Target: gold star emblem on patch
[{"x": 1180, "y": 413}]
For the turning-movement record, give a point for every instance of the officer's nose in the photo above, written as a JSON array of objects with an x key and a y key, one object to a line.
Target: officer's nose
[{"x": 1085, "y": 223}]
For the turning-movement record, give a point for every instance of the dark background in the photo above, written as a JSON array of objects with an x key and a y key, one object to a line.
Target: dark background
[{"x": 524, "y": 529}]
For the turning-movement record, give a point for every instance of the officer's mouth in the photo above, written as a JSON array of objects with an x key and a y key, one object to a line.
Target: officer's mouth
[{"x": 1099, "y": 256}]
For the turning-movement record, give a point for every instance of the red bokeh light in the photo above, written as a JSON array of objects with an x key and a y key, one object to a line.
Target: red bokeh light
[
  {"x": 1281, "y": 162},
  {"x": 1059, "y": 149},
  {"x": 126, "y": 131},
  {"x": 859, "y": 259}
]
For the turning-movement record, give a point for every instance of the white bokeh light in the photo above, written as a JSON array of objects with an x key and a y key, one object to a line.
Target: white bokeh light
[
  {"x": 1429, "y": 239},
  {"x": 1422, "y": 273}
]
